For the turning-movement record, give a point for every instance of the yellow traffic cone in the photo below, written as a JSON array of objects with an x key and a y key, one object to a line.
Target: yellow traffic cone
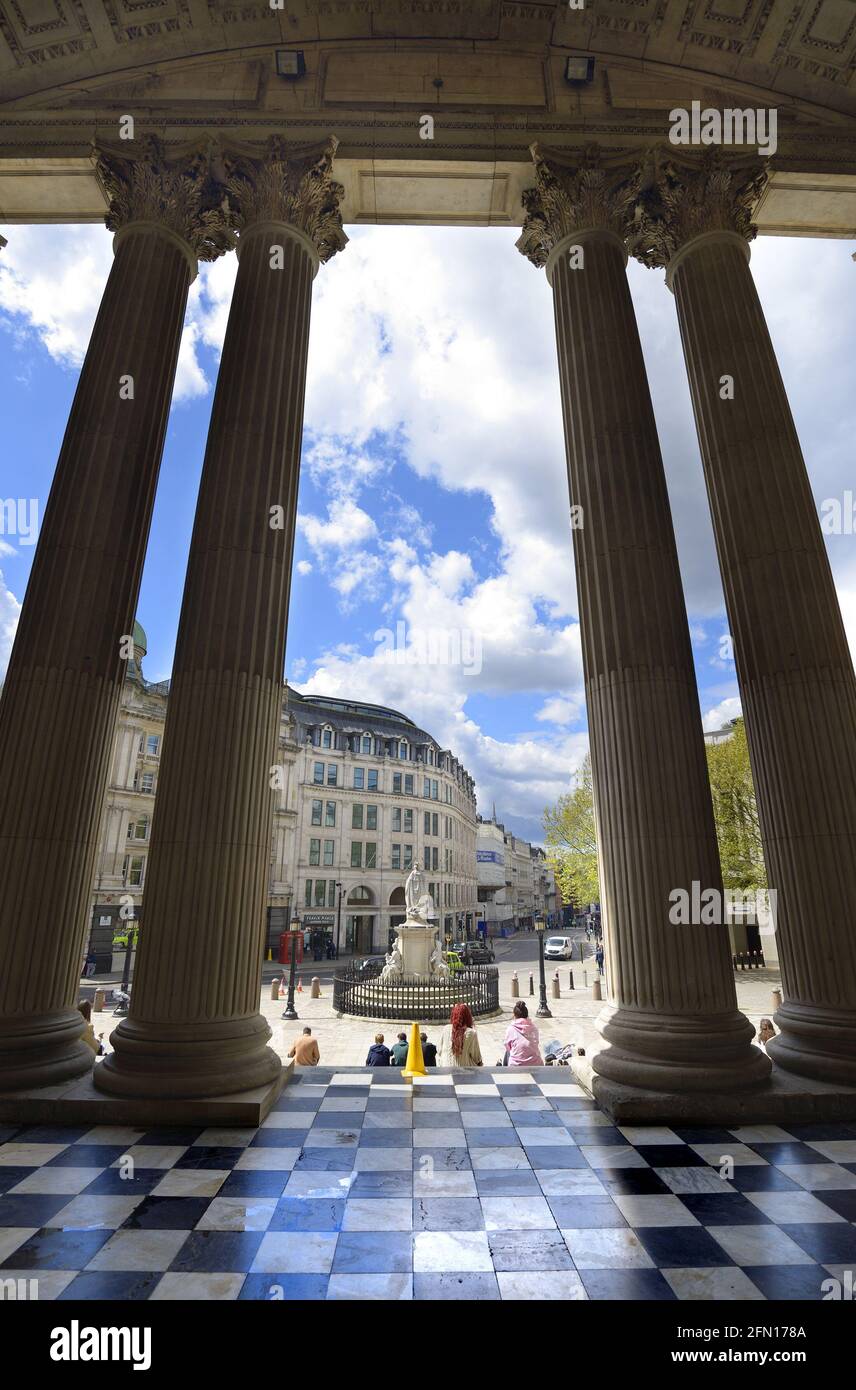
[{"x": 415, "y": 1065}]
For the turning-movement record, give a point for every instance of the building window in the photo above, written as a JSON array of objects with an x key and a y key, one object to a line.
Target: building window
[
  {"x": 138, "y": 829},
  {"x": 316, "y": 813},
  {"x": 435, "y": 823},
  {"x": 329, "y": 846},
  {"x": 320, "y": 891},
  {"x": 434, "y": 858},
  {"x": 327, "y": 738},
  {"x": 331, "y": 892},
  {"x": 356, "y": 817},
  {"x": 426, "y": 786},
  {"x": 153, "y": 745},
  {"x": 408, "y": 822},
  {"x": 396, "y": 783},
  {"x": 133, "y": 874},
  {"x": 371, "y": 818},
  {"x": 147, "y": 782},
  {"x": 318, "y": 772},
  {"x": 330, "y": 815},
  {"x": 314, "y": 851},
  {"x": 367, "y": 743},
  {"x": 427, "y": 853},
  {"x": 408, "y": 857},
  {"x": 396, "y": 856},
  {"x": 308, "y": 898},
  {"x": 427, "y": 822},
  {"x": 372, "y": 779},
  {"x": 408, "y": 783},
  {"x": 402, "y": 750},
  {"x": 396, "y": 818},
  {"x": 356, "y": 855},
  {"x": 359, "y": 778},
  {"x": 371, "y": 855},
  {"x": 435, "y": 791},
  {"x": 332, "y": 775}
]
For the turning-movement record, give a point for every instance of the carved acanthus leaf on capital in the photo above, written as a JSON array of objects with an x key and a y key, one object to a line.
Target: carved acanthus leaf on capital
[
  {"x": 179, "y": 194},
  {"x": 594, "y": 193},
  {"x": 688, "y": 199},
  {"x": 293, "y": 188}
]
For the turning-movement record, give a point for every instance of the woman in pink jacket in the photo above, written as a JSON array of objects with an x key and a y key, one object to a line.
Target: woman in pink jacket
[{"x": 521, "y": 1040}]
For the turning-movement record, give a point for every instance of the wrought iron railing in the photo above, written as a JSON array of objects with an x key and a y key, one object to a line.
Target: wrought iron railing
[{"x": 415, "y": 998}]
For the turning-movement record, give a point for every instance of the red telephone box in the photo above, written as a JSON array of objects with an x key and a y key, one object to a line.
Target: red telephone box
[{"x": 285, "y": 950}]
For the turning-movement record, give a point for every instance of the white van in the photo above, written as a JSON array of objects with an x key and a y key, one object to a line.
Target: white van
[{"x": 559, "y": 947}]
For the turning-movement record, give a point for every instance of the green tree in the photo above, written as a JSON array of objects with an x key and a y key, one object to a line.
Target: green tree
[
  {"x": 736, "y": 811},
  {"x": 571, "y": 842}
]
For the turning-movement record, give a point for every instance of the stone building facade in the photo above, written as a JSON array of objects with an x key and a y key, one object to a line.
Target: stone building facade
[
  {"x": 361, "y": 794},
  {"x": 516, "y": 885}
]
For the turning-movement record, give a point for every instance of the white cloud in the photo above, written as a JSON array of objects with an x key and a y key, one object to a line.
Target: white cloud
[
  {"x": 10, "y": 610},
  {"x": 51, "y": 283},
  {"x": 346, "y": 525},
  {"x": 304, "y": 567},
  {"x": 721, "y": 714},
  {"x": 560, "y": 711}
]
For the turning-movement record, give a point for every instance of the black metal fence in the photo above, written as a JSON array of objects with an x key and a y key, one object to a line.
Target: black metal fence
[{"x": 414, "y": 998}]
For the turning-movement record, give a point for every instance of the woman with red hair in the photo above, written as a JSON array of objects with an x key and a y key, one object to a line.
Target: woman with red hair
[{"x": 459, "y": 1043}]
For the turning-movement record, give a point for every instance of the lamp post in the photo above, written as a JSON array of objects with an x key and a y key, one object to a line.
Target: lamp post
[
  {"x": 542, "y": 1011},
  {"x": 290, "y": 1011},
  {"x": 338, "y": 917}
]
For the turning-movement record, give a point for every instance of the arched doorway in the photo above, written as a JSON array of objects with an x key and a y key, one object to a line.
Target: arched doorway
[
  {"x": 360, "y": 921},
  {"x": 398, "y": 912}
]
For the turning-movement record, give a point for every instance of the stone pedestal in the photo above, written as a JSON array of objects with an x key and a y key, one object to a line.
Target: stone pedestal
[
  {"x": 793, "y": 662},
  {"x": 61, "y": 693},
  {"x": 673, "y": 1022},
  {"x": 194, "y": 1027},
  {"x": 417, "y": 945}
]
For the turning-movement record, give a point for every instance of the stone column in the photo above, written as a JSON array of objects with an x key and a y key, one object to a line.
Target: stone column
[
  {"x": 672, "y": 1023},
  {"x": 194, "y": 1027},
  {"x": 793, "y": 663},
  {"x": 61, "y": 693}
]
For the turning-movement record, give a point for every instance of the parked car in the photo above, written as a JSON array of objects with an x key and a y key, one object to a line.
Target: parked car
[
  {"x": 370, "y": 966},
  {"x": 454, "y": 962},
  {"x": 476, "y": 953},
  {"x": 558, "y": 947}
]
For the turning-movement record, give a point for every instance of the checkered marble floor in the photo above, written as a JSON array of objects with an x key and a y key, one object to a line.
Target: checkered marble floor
[{"x": 476, "y": 1185}]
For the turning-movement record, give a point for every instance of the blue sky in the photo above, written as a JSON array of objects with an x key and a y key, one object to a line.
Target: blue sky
[{"x": 433, "y": 492}]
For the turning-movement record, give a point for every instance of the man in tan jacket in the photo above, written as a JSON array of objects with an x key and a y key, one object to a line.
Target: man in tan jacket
[{"x": 305, "y": 1050}]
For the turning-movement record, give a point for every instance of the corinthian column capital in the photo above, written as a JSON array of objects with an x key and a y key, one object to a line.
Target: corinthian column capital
[
  {"x": 595, "y": 192},
  {"x": 293, "y": 188},
  {"x": 178, "y": 195},
  {"x": 690, "y": 199}
]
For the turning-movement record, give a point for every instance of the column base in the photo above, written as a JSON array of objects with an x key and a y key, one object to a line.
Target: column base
[
  {"x": 816, "y": 1041},
  {"x": 42, "y": 1050},
  {"x": 189, "y": 1060},
  {"x": 679, "y": 1052}
]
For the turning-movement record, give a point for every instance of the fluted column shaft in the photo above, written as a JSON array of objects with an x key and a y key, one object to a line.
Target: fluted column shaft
[
  {"x": 61, "y": 693},
  {"x": 672, "y": 1023},
  {"x": 793, "y": 663},
  {"x": 194, "y": 1027}
]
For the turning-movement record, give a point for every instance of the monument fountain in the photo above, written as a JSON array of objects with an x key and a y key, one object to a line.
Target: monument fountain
[{"x": 416, "y": 982}]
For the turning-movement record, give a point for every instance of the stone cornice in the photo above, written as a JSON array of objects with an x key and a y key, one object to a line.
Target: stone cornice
[
  {"x": 291, "y": 187},
  {"x": 598, "y": 192},
  {"x": 179, "y": 195},
  {"x": 690, "y": 198}
]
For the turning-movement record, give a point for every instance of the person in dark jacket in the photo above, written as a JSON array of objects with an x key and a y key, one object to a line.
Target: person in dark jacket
[
  {"x": 378, "y": 1054},
  {"x": 429, "y": 1051},
  {"x": 399, "y": 1051}
]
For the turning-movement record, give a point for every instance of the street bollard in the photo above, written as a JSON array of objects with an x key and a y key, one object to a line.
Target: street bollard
[
  {"x": 315, "y": 989},
  {"x": 515, "y": 986},
  {"x": 557, "y": 994},
  {"x": 98, "y": 1002},
  {"x": 585, "y": 979},
  {"x": 596, "y": 992},
  {"x": 274, "y": 989},
  {"x": 531, "y": 983},
  {"x": 776, "y": 999},
  {"x": 571, "y": 979}
]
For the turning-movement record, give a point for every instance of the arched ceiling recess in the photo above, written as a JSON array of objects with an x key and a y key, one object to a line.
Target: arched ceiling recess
[{"x": 491, "y": 74}]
